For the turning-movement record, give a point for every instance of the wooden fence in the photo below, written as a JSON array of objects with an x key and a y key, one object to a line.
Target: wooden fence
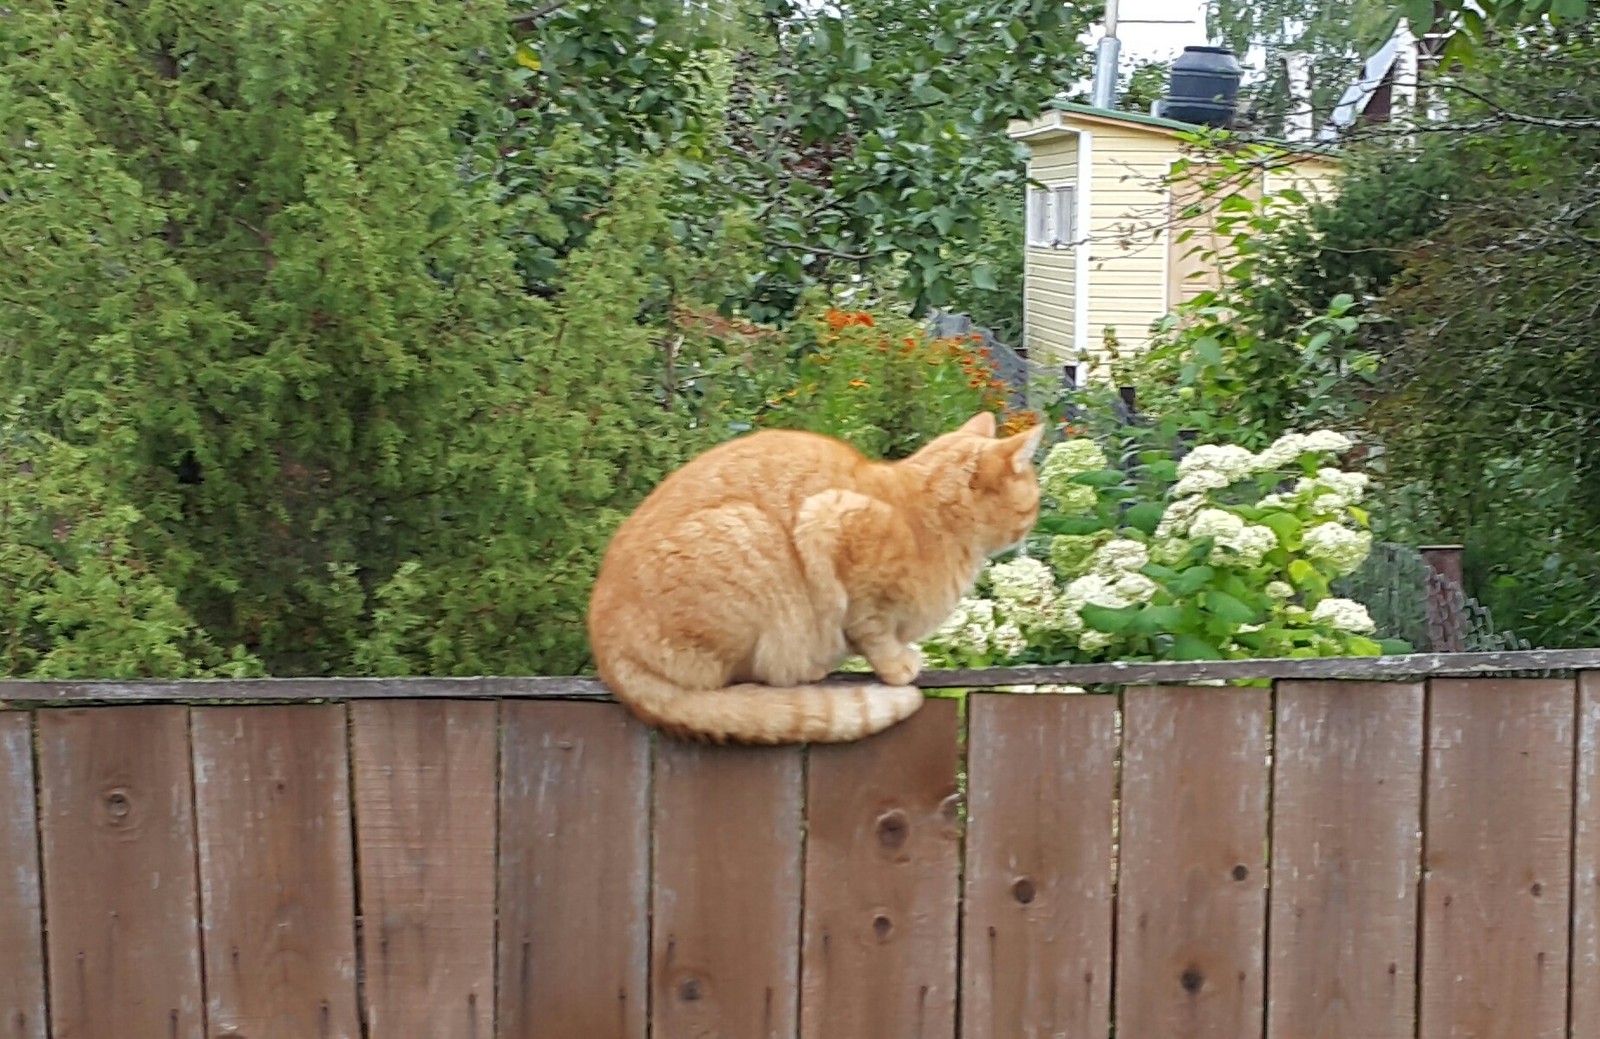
[{"x": 465, "y": 860}]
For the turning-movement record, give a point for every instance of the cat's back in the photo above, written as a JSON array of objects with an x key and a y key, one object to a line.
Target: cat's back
[{"x": 774, "y": 470}]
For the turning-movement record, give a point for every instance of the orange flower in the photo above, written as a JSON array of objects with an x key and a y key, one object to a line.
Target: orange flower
[
  {"x": 858, "y": 383},
  {"x": 864, "y": 319}
]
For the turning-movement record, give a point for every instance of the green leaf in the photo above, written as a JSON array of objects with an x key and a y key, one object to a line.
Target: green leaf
[
  {"x": 1077, "y": 525},
  {"x": 1284, "y": 524},
  {"x": 1395, "y": 647},
  {"x": 1155, "y": 620},
  {"x": 1359, "y": 646},
  {"x": 1193, "y": 647},
  {"x": 1228, "y": 608},
  {"x": 1099, "y": 478},
  {"x": 1145, "y": 516},
  {"x": 1301, "y": 572},
  {"x": 1208, "y": 350},
  {"x": 1191, "y": 580},
  {"x": 983, "y": 277},
  {"x": 1111, "y": 621}
]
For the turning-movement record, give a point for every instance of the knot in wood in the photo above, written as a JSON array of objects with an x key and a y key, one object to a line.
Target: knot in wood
[
  {"x": 1241, "y": 871},
  {"x": 117, "y": 804},
  {"x": 893, "y": 829},
  {"x": 1023, "y": 890},
  {"x": 690, "y": 990},
  {"x": 881, "y": 926},
  {"x": 1191, "y": 980}
]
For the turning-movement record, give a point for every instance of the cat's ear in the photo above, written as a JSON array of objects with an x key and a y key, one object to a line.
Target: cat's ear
[
  {"x": 981, "y": 424},
  {"x": 1020, "y": 448}
]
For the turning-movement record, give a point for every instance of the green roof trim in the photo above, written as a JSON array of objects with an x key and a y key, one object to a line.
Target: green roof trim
[{"x": 1160, "y": 123}]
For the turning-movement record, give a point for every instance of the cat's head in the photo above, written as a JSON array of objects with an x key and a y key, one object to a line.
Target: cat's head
[{"x": 986, "y": 482}]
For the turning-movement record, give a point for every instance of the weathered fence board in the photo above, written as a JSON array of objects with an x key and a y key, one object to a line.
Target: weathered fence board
[
  {"x": 1346, "y": 855},
  {"x": 1320, "y": 860},
  {"x": 881, "y": 887},
  {"x": 22, "y": 953},
  {"x": 117, "y": 827},
  {"x": 276, "y": 880},
  {"x": 726, "y": 888},
  {"x": 1191, "y": 909},
  {"x": 426, "y": 847},
  {"x": 1496, "y": 894},
  {"x": 574, "y": 872},
  {"x": 1586, "y": 865},
  {"x": 1036, "y": 953}
]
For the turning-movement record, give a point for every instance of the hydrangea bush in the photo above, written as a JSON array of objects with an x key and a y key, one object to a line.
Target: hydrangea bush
[{"x": 1226, "y": 554}]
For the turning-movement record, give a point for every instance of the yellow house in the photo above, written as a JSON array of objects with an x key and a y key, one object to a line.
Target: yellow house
[{"x": 1103, "y": 248}]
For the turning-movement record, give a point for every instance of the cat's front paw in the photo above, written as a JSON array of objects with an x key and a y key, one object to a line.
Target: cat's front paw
[{"x": 899, "y": 668}]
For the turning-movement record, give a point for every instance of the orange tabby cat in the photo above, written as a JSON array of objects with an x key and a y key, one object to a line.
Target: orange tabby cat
[{"x": 759, "y": 566}]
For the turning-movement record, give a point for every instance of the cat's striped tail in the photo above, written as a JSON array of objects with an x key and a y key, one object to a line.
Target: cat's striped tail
[{"x": 762, "y": 713}]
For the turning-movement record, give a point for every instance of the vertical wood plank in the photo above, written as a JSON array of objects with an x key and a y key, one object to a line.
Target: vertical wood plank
[
  {"x": 117, "y": 829},
  {"x": 574, "y": 871},
  {"x": 726, "y": 892},
  {"x": 21, "y": 953},
  {"x": 1346, "y": 858},
  {"x": 425, "y": 774},
  {"x": 1586, "y": 860},
  {"x": 276, "y": 883},
  {"x": 1036, "y": 954},
  {"x": 1191, "y": 897},
  {"x": 881, "y": 887},
  {"x": 1496, "y": 892}
]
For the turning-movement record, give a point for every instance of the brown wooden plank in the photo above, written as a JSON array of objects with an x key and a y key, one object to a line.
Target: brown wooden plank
[
  {"x": 117, "y": 830},
  {"x": 1041, "y": 778},
  {"x": 1497, "y": 863},
  {"x": 276, "y": 881},
  {"x": 574, "y": 872},
  {"x": 21, "y": 953},
  {"x": 1346, "y": 858},
  {"x": 425, "y": 775},
  {"x": 1191, "y": 895},
  {"x": 725, "y": 892},
  {"x": 881, "y": 888},
  {"x": 1586, "y": 862}
]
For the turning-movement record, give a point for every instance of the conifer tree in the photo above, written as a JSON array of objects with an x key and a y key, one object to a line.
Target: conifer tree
[{"x": 251, "y": 273}]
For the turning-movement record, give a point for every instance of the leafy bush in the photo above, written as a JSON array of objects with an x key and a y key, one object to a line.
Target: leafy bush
[
  {"x": 882, "y": 383},
  {"x": 1225, "y": 554}
]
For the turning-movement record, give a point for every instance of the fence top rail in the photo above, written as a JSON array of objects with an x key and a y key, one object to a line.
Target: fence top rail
[{"x": 1410, "y": 667}]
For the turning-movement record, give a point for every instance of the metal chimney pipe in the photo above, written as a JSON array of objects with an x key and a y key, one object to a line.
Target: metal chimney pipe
[{"x": 1104, "y": 92}]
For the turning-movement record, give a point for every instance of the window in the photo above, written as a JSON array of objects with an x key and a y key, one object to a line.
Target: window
[{"x": 1052, "y": 217}]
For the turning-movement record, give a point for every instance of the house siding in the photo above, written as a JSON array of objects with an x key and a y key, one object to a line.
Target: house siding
[
  {"x": 1127, "y": 240},
  {"x": 1049, "y": 277}
]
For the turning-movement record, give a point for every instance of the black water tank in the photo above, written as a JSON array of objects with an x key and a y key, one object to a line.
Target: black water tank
[{"x": 1204, "y": 86}]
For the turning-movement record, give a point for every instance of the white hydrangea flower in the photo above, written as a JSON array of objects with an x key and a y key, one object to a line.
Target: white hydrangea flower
[
  {"x": 1345, "y": 488},
  {"x": 1092, "y": 590},
  {"x": 1249, "y": 545},
  {"x": 1134, "y": 587},
  {"x": 1025, "y": 589},
  {"x": 1066, "y": 460},
  {"x": 1280, "y": 589},
  {"x": 1326, "y": 505},
  {"x": 1124, "y": 555},
  {"x": 1327, "y": 440},
  {"x": 1200, "y": 481},
  {"x": 1175, "y": 521},
  {"x": 1274, "y": 501},
  {"x": 1281, "y": 452},
  {"x": 1092, "y": 641},
  {"x": 1339, "y": 547},
  {"x": 1344, "y": 614},
  {"x": 1168, "y": 550},
  {"x": 970, "y": 627},
  {"x": 1229, "y": 461},
  {"x": 1008, "y": 639},
  {"x": 1215, "y": 523}
]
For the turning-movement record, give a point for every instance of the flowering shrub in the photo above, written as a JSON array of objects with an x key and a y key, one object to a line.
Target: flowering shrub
[
  {"x": 880, "y": 382},
  {"x": 1234, "y": 559}
]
